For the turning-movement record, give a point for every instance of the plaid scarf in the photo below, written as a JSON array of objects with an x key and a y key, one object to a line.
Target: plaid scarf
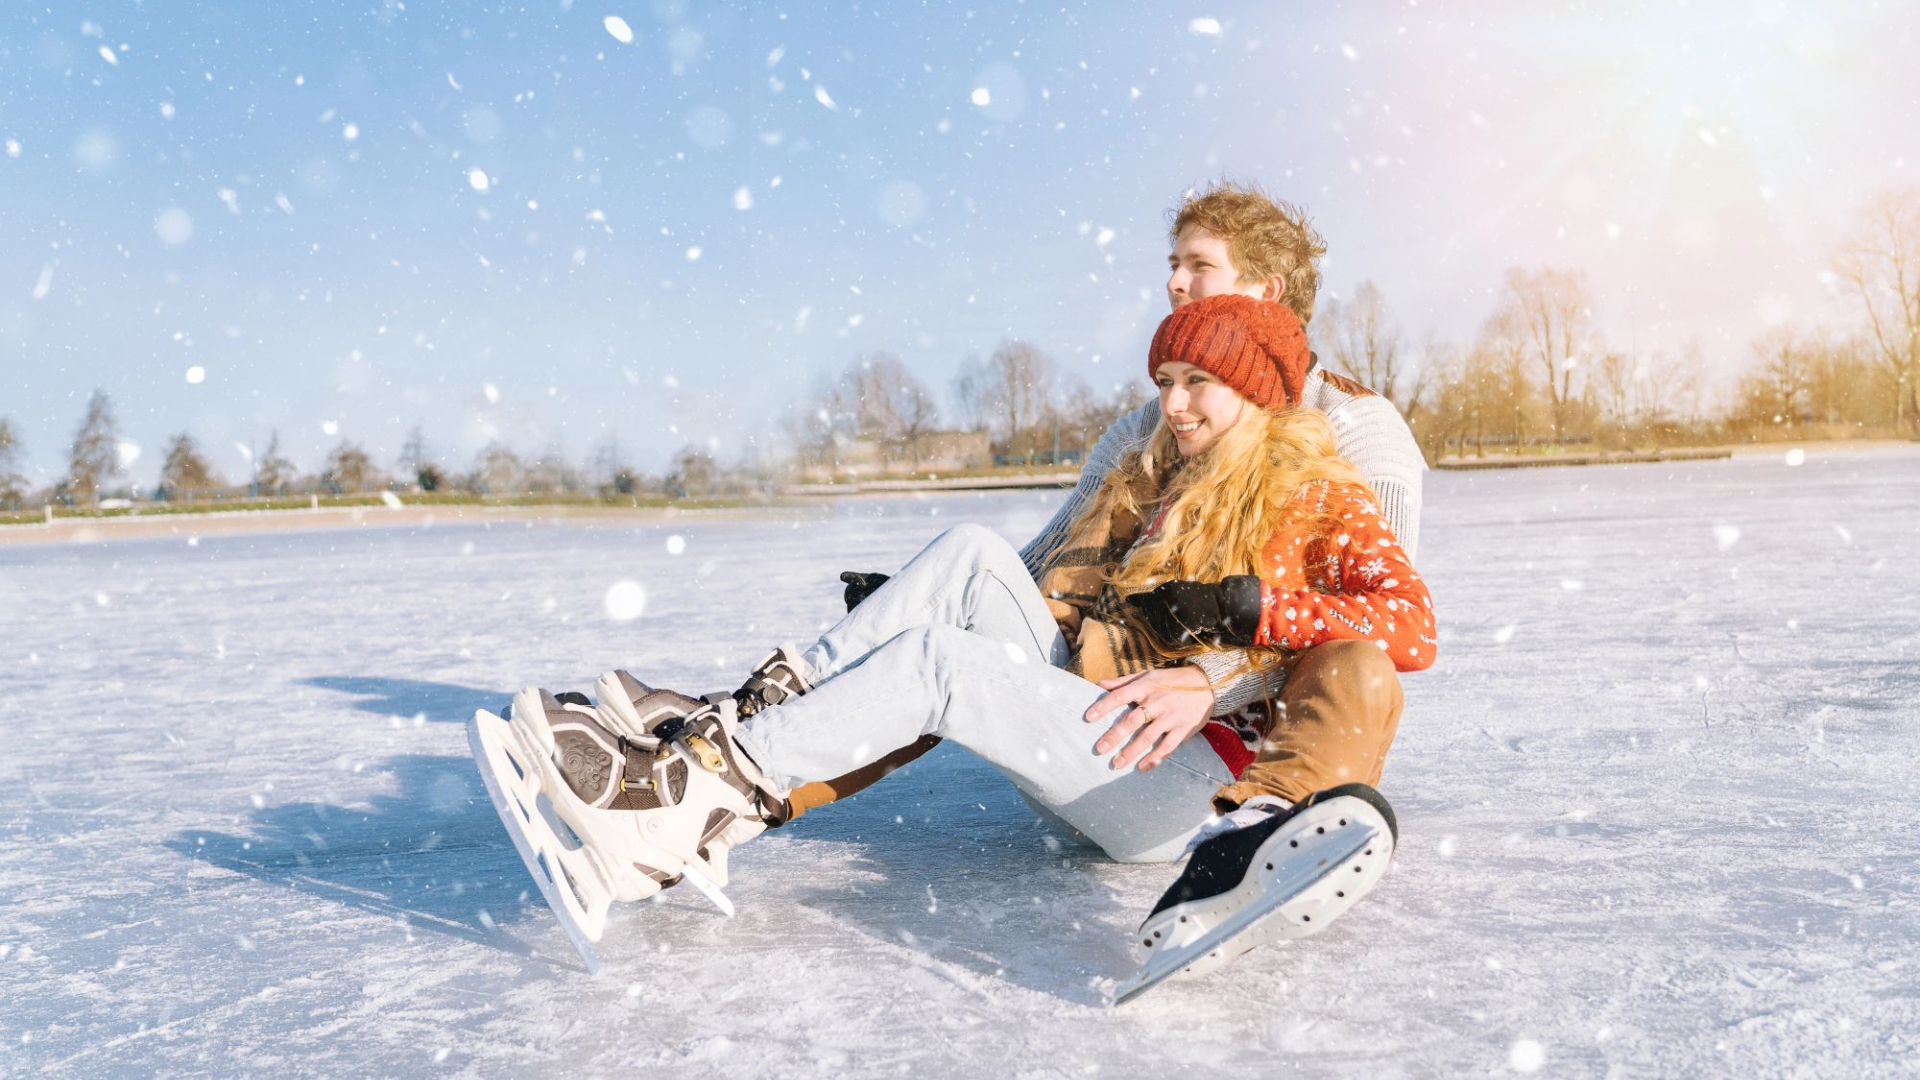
[{"x": 1108, "y": 639}]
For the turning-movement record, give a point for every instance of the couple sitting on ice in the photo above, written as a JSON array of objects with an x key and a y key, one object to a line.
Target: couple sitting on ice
[{"x": 1198, "y": 654}]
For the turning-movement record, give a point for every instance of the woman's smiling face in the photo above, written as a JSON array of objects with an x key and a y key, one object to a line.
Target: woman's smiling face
[{"x": 1198, "y": 407}]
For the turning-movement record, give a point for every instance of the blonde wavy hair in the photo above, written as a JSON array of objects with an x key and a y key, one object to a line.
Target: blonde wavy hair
[{"x": 1222, "y": 506}]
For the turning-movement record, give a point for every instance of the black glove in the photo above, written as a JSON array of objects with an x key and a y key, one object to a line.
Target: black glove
[
  {"x": 1183, "y": 614},
  {"x": 860, "y": 586}
]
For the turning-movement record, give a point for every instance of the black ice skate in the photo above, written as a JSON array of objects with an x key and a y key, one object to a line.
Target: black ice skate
[{"x": 1287, "y": 876}]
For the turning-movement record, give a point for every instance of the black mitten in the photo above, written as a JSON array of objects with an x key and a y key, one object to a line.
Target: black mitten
[
  {"x": 860, "y": 586},
  {"x": 1183, "y": 614}
]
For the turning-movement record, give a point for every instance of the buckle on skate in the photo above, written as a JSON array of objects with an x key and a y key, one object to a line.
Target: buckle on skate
[{"x": 704, "y": 752}]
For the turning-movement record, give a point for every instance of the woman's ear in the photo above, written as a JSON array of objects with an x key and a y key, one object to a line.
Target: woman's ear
[{"x": 1274, "y": 289}]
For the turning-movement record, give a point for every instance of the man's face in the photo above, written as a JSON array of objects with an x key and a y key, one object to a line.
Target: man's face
[{"x": 1201, "y": 267}]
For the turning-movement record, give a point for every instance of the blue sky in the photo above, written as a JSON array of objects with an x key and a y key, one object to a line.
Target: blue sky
[{"x": 245, "y": 217}]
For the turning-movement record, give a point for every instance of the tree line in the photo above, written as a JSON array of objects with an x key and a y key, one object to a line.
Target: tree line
[
  {"x": 1539, "y": 373},
  {"x": 1029, "y": 410},
  {"x": 96, "y": 467}
]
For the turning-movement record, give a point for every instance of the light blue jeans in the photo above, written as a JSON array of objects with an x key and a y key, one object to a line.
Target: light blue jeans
[{"x": 960, "y": 644}]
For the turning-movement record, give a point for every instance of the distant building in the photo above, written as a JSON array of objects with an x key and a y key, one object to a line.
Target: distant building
[{"x": 934, "y": 452}]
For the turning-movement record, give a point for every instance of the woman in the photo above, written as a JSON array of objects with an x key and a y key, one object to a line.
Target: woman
[{"x": 1237, "y": 526}]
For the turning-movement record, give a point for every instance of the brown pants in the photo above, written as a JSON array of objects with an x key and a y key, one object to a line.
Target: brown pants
[{"x": 1333, "y": 723}]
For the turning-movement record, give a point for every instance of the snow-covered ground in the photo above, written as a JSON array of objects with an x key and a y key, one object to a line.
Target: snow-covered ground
[{"x": 1658, "y": 801}]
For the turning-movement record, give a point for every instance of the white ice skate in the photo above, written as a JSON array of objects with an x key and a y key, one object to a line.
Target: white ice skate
[
  {"x": 1284, "y": 877},
  {"x": 613, "y": 804}
]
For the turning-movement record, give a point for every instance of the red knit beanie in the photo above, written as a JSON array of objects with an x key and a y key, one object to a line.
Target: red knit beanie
[{"x": 1256, "y": 347}]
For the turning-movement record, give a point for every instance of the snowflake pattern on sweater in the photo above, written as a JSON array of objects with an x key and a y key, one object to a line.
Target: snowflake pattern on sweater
[{"x": 1353, "y": 584}]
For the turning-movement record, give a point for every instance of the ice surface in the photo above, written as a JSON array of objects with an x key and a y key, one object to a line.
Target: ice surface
[{"x": 1658, "y": 826}]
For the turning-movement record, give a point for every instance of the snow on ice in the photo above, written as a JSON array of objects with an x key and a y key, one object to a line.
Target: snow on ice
[{"x": 1659, "y": 833}]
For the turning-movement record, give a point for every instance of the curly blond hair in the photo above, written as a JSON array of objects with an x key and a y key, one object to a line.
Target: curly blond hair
[{"x": 1265, "y": 237}]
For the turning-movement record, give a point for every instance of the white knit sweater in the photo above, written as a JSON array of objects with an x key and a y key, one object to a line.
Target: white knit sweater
[{"x": 1369, "y": 432}]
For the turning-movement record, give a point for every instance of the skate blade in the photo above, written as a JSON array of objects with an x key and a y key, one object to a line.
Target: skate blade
[
  {"x": 513, "y": 787},
  {"x": 699, "y": 880},
  {"x": 1288, "y": 886}
]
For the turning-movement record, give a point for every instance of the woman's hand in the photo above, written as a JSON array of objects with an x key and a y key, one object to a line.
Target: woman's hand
[{"x": 1152, "y": 712}]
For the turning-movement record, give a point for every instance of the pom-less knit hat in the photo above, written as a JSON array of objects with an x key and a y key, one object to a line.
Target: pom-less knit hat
[{"x": 1256, "y": 347}]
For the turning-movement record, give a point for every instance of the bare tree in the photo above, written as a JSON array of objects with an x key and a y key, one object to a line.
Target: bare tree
[
  {"x": 1684, "y": 383},
  {"x": 187, "y": 473},
  {"x": 609, "y": 470},
  {"x": 1780, "y": 383},
  {"x": 1365, "y": 341},
  {"x": 1016, "y": 389},
  {"x": 692, "y": 472},
  {"x": 820, "y": 424},
  {"x": 13, "y": 484},
  {"x": 497, "y": 471},
  {"x": 1452, "y": 405},
  {"x": 1085, "y": 415},
  {"x": 905, "y": 410},
  {"x": 969, "y": 395},
  {"x": 350, "y": 469},
  {"x": 1847, "y": 382},
  {"x": 417, "y": 462},
  {"x": 1880, "y": 260},
  {"x": 1497, "y": 369},
  {"x": 1616, "y": 383},
  {"x": 274, "y": 473},
  {"x": 94, "y": 460},
  {"x": 1552, "y": 314},
  {"x": 550, "y": 472}
]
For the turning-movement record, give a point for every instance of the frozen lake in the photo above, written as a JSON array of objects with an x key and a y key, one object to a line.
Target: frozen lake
[{"x": 1658, "y": 802}]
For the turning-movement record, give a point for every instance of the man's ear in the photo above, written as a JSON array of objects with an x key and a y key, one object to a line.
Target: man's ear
[{"x": 1275, "y": 288}]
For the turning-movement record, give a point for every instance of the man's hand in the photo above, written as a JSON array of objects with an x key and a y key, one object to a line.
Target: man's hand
[
  {"x": 860, "y": 586},
  {"x": 1152, "y": 713},
  {"x": 1183, "y": 614}
]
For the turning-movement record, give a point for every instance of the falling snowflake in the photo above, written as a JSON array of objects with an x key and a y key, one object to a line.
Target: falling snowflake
[
  {"x": 1527, "y": 1056},
  {"x": 625, "y": 601}
]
